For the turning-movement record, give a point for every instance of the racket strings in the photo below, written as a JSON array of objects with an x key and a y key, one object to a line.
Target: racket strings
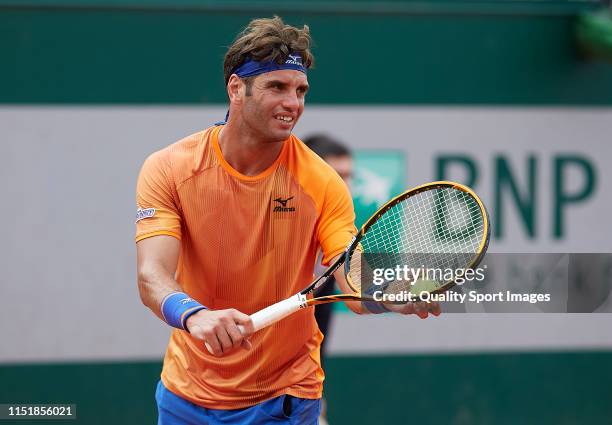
[{"x": 440, "y": 228}]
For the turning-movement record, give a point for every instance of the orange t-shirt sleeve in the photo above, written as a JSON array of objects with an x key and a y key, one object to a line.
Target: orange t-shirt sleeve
[
  {"x": 336, "y": 226},
  {"x": 156, "y": 199}
]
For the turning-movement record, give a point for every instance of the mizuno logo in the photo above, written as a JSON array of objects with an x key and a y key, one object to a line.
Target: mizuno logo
[
  {"x": 282, "y": 207},
  {"x": 294, "y": 60}
]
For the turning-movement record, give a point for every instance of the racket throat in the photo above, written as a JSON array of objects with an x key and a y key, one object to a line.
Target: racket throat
[{"x": 302, "y": 299}]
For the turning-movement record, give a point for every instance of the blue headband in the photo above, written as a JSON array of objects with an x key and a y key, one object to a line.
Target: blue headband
[{"x": 252, "y": 67}]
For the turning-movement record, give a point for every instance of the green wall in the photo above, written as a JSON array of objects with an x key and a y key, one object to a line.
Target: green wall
[
  {"x": 508, "y": 389},
  {"x": 488, "y": 52}
]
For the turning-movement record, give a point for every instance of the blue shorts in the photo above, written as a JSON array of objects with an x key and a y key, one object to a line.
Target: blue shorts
[{"x": 285, "y": 409}]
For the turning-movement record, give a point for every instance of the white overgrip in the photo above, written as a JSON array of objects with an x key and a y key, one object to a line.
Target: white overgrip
[{"x": 276, "y": 312}]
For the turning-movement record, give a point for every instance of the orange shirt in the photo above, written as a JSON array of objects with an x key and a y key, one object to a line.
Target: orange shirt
[{"x": 246, "y": 242}]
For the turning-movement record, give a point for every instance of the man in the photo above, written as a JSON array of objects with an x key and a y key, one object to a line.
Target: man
[{"x": 229, "y": 221}]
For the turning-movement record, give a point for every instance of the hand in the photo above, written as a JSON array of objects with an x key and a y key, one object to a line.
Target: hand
[
  {"x": 219, "y": 330},
  {"x": 421, "y": 308}
]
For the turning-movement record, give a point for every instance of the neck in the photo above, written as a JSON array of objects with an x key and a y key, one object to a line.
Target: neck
[{"x": 246, "y": 153}]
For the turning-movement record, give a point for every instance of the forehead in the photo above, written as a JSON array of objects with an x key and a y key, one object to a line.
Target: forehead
[{"x": 287, "y": 76}]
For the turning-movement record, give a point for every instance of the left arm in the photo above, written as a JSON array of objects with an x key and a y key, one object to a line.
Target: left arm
[{"x": 421, "y": 309}]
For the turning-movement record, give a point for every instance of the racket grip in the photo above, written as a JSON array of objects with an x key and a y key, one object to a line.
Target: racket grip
[
  {"x": 273, "y": 313},
  {"x": 276, "y": 312}
]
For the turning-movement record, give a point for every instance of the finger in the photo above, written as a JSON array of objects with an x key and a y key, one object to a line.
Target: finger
[
  {"x": 246, "y": 344},
  {"x": 422, "y": 310},
  {"x": 435, "y": 309},
  {"x": 225, "y": 340},
  {"x": 234, "y": 334},
  {"x": 246, "y": 322},
  {"x": 212, "y": 344},
  {"x": 424, "y": 313}
]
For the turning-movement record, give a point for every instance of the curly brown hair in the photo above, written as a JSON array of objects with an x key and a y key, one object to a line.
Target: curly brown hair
[{"x": 268, "y": 39}]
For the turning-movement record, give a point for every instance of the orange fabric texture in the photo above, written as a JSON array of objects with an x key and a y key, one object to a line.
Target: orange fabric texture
[{"x": 246, "y": 243}]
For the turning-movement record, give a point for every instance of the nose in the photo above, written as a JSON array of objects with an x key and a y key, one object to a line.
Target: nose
[{"x": 291, "y": 102}]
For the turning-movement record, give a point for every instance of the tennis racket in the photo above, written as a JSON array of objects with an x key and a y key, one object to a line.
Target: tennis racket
[{"x": 439, "y": 225}]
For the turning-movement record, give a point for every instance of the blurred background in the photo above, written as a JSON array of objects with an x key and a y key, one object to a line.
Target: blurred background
[{"x": 511, "y": 97}]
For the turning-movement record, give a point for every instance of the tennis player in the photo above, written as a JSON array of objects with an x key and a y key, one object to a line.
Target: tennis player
[{"x": 229, "y": 221}]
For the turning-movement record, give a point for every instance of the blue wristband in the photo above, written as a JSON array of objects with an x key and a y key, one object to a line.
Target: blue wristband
[{"x": 176, "y": 307}]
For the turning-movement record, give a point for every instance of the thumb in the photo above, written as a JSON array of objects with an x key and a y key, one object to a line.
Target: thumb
[{"x": 246, "y": 323}]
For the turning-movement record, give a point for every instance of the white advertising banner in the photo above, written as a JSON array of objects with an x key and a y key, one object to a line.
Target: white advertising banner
[{"x": 68, "y": 283}]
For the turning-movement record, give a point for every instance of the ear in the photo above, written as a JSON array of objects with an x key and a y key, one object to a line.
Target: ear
[{"x": 235, "y": 89}]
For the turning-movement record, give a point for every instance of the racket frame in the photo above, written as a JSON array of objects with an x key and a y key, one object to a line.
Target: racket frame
[{"x": 479, "y": 255}]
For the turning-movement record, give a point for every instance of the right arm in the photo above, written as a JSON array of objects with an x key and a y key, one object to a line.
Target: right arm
[
  {"x": 158, "y": 234},
  {"x": 157, "y": 259}
]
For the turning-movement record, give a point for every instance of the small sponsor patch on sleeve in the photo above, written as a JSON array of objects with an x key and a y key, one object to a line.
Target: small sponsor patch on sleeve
[{"x": 144, "y": 213}]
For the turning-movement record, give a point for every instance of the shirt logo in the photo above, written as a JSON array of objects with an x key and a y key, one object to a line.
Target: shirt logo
[
  {"x": 144, "y": 213},
  {"x": 282, "y": 205}
]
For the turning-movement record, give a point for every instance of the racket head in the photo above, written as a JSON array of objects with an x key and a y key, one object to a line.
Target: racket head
[{"x": 436, "y": 225}]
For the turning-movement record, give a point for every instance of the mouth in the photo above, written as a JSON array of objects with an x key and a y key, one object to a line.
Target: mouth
[{"x": 285, "y": 119}]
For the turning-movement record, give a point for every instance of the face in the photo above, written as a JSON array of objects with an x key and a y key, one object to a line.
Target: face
[
  {"x": 275, "y": 104},
  {"x": 343, "y": 166}
]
